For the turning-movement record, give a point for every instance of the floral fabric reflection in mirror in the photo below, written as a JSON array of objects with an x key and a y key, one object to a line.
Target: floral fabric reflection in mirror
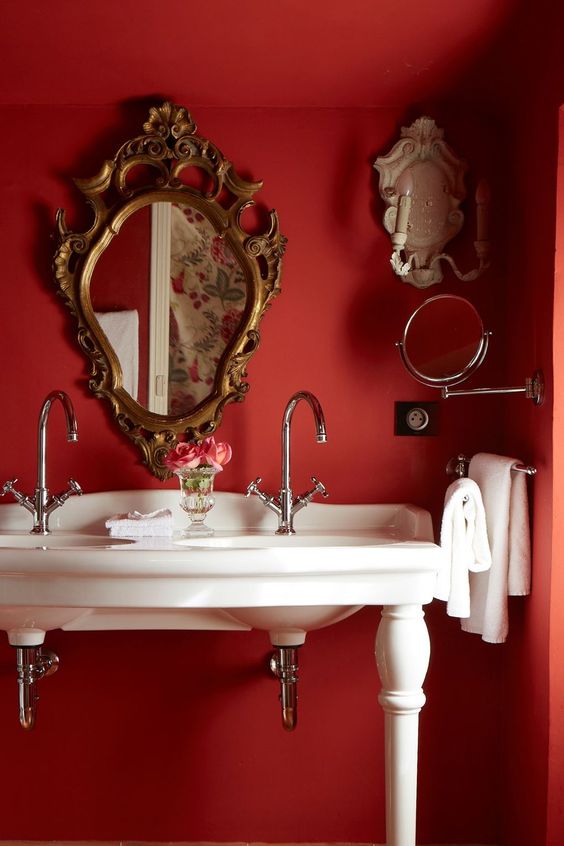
[{"x": 207, "y": 300}]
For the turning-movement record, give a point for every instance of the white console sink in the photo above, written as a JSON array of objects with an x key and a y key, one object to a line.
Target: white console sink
[{"x": 341, "y": 558}]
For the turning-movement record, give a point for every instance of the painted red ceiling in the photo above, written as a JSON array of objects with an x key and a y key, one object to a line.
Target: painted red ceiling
[{"x": 251, "y": 52}]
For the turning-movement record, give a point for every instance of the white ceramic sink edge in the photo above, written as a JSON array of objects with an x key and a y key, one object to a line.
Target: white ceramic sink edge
[
  {"x": 232, "y": 511},
  {"x": 341, "y": 558}
]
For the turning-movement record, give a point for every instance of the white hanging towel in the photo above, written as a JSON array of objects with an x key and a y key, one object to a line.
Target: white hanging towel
[
  {"x": 122, "y": 331},
  {"x": 507, "y": 515},
  {"x": 156, "y": 524},
  {"x": 464, "y": 540}
]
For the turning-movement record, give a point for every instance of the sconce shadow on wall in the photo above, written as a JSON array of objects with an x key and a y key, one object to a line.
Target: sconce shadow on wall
[{"x": 422, "y": 184}]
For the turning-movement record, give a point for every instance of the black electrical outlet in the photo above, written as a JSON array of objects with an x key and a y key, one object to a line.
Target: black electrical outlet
[{"x": 416, "y": 418}]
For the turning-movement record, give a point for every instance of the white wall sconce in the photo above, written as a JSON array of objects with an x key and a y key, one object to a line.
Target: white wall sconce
[{"x": 422, "y": 184}]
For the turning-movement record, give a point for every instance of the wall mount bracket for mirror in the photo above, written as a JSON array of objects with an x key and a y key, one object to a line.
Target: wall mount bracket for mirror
[
  {"x": 422, "y": 184},
  {"x": 444, "y": 342},
  {"x": 170, "y": 167},
  {"x": 533, "y": 389}
]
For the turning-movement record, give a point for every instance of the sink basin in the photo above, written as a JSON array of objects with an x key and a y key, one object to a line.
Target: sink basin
[
  {"x": 267, "y": 540},
  {"x": 58, "y": 540},
  {"x": 245, "y": 576}
]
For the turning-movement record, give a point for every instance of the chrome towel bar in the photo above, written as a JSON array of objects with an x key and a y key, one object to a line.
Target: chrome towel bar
[{"x": 459, "y": 467}]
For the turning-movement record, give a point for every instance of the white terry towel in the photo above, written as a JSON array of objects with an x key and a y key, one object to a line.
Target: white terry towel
[
  {"x": 505, "y": 499},
  {"x": 464, "y": 540},
  {"x": 156, "y": 524},
  {"x": 122, "y": 331}
]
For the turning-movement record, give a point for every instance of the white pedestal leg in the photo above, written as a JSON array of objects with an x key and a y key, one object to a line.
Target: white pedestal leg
[{"x": 402, "y": 657}]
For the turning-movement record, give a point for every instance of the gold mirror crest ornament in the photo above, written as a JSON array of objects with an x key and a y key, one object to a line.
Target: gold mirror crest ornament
[{"x": 146, "y": 171}]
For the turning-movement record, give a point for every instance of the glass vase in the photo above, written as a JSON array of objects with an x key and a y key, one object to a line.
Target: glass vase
[{"x": 196, "y": 488}]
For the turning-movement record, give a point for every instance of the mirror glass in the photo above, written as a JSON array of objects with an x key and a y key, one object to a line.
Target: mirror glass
[
  {"x": 444, "y": 341},
  {"x": 166, "y": 285},
  {"x": 169, "y": 294}
]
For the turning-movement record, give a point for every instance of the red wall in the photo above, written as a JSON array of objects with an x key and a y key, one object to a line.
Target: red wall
[
  {"x": 555, "y": 817},
  {"x": 176, "y": 736},
  {"x": 189, "y": 758}
]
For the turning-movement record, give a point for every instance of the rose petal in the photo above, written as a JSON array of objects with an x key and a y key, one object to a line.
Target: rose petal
[{"x": 223, "y": 453}]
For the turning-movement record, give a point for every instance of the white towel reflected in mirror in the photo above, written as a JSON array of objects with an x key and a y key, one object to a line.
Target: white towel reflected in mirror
[{"x": 122, "y": 331}]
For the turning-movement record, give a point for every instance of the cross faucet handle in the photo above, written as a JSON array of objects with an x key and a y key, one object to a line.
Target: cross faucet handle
[
  {"x": 319, "y": 487},
  {"x": 8, "y": 487},
  {"x": 252, "y": 487},
  {"x": 74, "y": 488}
]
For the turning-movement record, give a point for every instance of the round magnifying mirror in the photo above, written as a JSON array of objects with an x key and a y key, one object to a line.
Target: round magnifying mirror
[{"x": 444, "y": 341}]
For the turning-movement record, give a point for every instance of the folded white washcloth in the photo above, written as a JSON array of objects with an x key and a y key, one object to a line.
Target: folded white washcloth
[
  {"x": 505, "y": 500},
  {"x": 156, "y": 524},
  {"x": 464, "y": 540}
]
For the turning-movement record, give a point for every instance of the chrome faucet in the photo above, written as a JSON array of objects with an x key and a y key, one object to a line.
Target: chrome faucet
[
  {"x": 284, "y": 505},
  {"x": 40, "y": 505}
]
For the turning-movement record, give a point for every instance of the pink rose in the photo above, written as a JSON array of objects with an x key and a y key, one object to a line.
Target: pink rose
[
  {"x": 216, "y": 454},
  {"x": 183, "y": 455},
  {"x": 191, "y": 455}
]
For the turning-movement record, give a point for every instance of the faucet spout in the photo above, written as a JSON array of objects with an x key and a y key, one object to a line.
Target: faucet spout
[
  {"x": 315, "y": 405},
  {"x": 42, "y": 505},
  {"x": 72, "y": 429},
  {"x": 286, "y": 497},
  {"x": 284, "y": 505}
]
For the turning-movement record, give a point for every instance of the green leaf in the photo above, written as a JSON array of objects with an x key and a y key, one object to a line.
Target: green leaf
[
  {"x": 233, "y": 295},
  {"x": 222, "y": 281}
]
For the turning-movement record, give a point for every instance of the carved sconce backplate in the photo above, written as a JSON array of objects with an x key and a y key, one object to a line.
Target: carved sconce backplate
[{"x": 422, "y": 185}]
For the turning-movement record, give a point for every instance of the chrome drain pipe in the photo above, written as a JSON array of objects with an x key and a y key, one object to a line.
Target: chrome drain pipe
[
  {"x": 284, "y": 665},
  {"x": 33, "y": 663}
]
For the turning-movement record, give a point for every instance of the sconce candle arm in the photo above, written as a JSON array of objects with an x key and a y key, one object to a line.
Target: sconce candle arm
[
  {"x": 402, "y": 268},
  {"x": 464, "y": 277}
]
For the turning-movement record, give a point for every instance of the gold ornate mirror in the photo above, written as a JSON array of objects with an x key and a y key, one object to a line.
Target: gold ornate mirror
[{"x": 167, "y": 287}]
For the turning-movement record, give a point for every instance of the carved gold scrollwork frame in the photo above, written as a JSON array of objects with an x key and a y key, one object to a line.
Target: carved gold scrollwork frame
[{"x": 169, "y": 144}]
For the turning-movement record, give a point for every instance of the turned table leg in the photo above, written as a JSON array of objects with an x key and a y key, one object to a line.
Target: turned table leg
[{"x": 402, "y": 657}]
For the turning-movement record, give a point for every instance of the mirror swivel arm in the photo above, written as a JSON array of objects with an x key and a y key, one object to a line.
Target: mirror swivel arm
[{"x": 533, "y": 389}]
